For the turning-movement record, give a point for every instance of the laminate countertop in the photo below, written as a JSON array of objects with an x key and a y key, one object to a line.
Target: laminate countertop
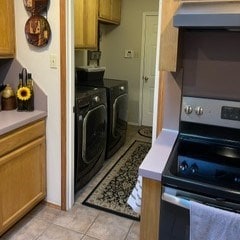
[
  {"x": 156, "y": 159},
  {"x": 11, "y": 120}
]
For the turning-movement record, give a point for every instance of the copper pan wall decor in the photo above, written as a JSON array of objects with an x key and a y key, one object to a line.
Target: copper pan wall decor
[
  {"x": 36, "y": 6},
  {"x": 37, "y": 31},
  {"x": 37, "y": 28}
]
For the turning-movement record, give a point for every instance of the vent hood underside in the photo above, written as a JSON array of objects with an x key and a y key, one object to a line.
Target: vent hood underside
[{"x": 219, "y": 15}]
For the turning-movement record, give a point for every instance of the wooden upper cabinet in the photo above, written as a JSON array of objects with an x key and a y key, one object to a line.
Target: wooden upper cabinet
[
  {"x": 86, "y": 23},
  {"x": 169, "y": 37},
  {"x": 7, "y": 29},
  {"x": 110, "y": 11},
  {"x": 170, "y": 40}
]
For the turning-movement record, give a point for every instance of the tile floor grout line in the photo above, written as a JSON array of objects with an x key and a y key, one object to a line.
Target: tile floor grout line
[
  {"x": 92, "y": 222},
  {"x": 129, "y": 230},
  {"x": 37, "y": 237}
]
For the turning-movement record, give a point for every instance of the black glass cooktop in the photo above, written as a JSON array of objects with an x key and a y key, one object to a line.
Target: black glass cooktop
[{"x": 204, "y": 166}]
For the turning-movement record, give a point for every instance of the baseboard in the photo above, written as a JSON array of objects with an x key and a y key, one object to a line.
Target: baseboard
[{"x": 51, "y": 205}]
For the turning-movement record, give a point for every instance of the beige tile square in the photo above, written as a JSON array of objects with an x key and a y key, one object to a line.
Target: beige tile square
[
  {"x": 89, "y": 238},
  {"x": 134, "y": 233},
  {"x": 58, "y": 233},
  {"x": 79, "y": 218},
  {"x": 108, "y": 226},
  {"x": 45, "y": 212},
  {"x": 27, "y": 229}
]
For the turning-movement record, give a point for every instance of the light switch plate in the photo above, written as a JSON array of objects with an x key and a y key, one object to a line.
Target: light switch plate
[{"x": 53, "y": 61}]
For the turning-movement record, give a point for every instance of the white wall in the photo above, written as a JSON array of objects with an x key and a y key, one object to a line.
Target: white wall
[
  {"x": 36, "y": 60},
  {"x": 114, "y": 40}
]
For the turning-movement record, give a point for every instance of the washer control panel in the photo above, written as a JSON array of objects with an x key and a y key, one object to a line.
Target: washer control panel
[{"x": 211, "y": 111}]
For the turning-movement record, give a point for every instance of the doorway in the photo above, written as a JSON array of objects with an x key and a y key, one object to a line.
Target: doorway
[{"x": 148, "y": 67}]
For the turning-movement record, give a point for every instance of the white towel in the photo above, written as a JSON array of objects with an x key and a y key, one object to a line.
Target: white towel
[
  {"x": 134, "y": 200},
  {"x": 210, "y": 223}
]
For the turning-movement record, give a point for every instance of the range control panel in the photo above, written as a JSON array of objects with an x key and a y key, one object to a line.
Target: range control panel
[
  {"x": 230, "y": 113},
  {"x": 211, "y": 111}
]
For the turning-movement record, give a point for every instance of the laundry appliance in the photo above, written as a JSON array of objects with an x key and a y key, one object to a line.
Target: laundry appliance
[
  {"x": 117, "y": 101},
  {"x": 90, "y": 133}
]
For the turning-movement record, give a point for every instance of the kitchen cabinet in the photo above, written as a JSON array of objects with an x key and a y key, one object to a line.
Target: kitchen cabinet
[
  {"x": 110, "y": 11},
  {"x": 169, "y": 37},
  {"x": 7, "y": 29},
  {"x": 22, "y": 172},
  {"x": 86, "y": 24},
  {"x": 151, "y": 195}
]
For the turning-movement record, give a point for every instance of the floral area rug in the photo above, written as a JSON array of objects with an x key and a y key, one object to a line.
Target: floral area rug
[
  {"x": 112, "y": 192},
  {"x": 145, "y": 132}
]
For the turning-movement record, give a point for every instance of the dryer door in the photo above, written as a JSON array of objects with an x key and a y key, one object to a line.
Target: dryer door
[
  {"x": 120, "y": 106},
  {"x": 94, "y": 134}
]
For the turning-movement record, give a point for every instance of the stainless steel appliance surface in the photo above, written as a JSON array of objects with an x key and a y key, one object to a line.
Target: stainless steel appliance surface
[
  {"x": 204, "y": 165},
  {"x": 90, "y": 133}
]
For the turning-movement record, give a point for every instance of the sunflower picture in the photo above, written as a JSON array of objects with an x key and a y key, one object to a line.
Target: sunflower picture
[{"x": 23, "y": 93}]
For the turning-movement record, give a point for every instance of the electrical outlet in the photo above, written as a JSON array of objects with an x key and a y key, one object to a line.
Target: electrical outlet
[{"x": 53, "y": 61}]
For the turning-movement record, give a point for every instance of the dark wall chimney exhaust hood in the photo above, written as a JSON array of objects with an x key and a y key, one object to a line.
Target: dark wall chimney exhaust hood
[{"x": 213, "y": 15}]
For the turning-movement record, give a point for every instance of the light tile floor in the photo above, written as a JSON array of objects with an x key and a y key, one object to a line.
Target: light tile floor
[{"x": 81, "y": 222}]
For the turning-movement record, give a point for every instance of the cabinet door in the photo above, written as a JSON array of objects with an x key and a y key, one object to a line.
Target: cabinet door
[
  {"x": 110, "y": 11},
  {"x": 116, "y": 11},
  {"x": 86, "y": 23},
  {"x": 169, "y": 37},
  {"x": 22, "y": 182},
  {"x": 105, "y": 9},
  {"x": 7, "y": 29}
]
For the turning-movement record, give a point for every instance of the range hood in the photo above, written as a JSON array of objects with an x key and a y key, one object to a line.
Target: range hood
[{"x": 219, "y": 15}]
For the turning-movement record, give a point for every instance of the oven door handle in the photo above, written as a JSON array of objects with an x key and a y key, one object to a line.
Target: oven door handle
[{"x": 181, "y": 202}]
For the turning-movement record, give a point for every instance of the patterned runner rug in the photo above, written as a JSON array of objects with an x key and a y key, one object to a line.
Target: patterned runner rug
[
  {"x": 112, "y": 192},
  {"x": 145, "y": 132}
]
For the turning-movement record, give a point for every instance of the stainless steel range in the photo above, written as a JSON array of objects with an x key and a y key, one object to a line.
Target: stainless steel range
[{"x": 204, "y": 165}]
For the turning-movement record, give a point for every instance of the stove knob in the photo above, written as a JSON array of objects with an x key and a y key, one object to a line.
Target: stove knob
[
  {"x": 188, "y": 109},
  {"x": 96, "y": 99},
  {"x": 237, "y": 179},
  {"x": 194, "y": 168},
  {"x": 199, "y": 110},
  {"x": 183, "y": 166}
]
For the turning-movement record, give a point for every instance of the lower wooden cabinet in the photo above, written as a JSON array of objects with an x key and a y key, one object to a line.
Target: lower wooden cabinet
[
  {"x": 22, "y": 175},
  {"x": 150, "y": 209}
]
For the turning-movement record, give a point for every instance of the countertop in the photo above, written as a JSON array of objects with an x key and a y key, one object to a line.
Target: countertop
[
  {"x": 156, "y": 159},
  {"x": 11, "y": 120}
]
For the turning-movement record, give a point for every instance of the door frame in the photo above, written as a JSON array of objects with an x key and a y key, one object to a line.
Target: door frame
[
  {"x": 67, "y": 102},
  {"x": 67, "y": 98},
  {"x": 145, "y": 14}
]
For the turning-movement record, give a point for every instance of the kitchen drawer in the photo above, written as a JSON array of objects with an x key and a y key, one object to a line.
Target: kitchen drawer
[{"x": 21, "y": 136}]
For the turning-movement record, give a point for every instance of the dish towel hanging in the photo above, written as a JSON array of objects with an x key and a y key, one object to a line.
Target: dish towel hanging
[
  {"x": 210, "y": 223},
  {"x": 134, "y": 200}
]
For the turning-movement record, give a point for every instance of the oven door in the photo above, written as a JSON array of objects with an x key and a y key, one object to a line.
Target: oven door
[{"x": 175, "y": 216}]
